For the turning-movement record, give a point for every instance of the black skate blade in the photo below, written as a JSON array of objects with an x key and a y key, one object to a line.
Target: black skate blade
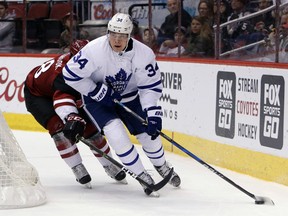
[{"x": 162, "y": 183}]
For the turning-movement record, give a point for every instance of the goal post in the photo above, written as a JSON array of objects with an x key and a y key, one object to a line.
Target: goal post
[{"x": 20, "y": 186}]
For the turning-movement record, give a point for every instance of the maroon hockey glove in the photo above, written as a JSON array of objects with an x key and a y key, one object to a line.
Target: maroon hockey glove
[{"x": 75, "y": 126}]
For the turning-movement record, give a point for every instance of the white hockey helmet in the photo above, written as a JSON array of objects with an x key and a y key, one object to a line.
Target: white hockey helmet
[{"x": 121, "y": 23}]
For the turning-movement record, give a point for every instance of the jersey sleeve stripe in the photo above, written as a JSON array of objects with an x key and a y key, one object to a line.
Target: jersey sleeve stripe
[
  {"x": 150, "y": 86},
  {"x": 157, "y": 90},
  {"x": 73, "y": 75},
  {"x": 131, "y": 94}
]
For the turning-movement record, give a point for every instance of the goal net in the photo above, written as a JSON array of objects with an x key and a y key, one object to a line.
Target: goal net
[{"x": 20, "y": 186}]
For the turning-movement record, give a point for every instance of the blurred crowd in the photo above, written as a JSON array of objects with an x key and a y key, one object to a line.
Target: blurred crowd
[
  {"x": 245, "y": 27},
  {"x": 193, "y": 36}
]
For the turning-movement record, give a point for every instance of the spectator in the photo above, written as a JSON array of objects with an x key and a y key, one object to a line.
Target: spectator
[
  {"x": 235, "y": 34},
  {"x": 171, "y": 21},
  {"x": 265, "y": 19},
  {"x": 224, "y": 11},
  {"x": 171, "y": 47},
  {"x": 262, "y": 24},
  {"x": 136, "y": 31},
  {"x": 200, "y": 41},
  {"x": 284, "y": 25},
  {"x": 205, "y": 10},
  {"x": 260, "y": 28},
  {"x": 253, "y": 30},
  {"x": 71, "y": 29},
  {"x": 283, "y": 32},
  {"x": 238, "y": 10},
  {"x": 7, "y": 28},
  {"x": 150, "y": 38}
]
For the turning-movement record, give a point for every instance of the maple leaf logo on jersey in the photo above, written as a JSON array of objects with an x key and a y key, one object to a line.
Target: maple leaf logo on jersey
[{"x": 120, "y": 81}]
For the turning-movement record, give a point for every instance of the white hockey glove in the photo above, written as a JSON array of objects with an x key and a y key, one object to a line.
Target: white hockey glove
[{"x": 105, "y": 95}]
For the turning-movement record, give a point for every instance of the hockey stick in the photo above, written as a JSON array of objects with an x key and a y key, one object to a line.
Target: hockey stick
[
  {"x": 153, "y": 187},
  {"x": 258, "y": 199}
]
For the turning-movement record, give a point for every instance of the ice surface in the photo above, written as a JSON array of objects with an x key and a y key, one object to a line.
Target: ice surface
[{"x": 202, "y": 193}]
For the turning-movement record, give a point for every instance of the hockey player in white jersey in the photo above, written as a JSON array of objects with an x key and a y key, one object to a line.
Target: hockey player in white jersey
[{"x": 116, "y": 66}]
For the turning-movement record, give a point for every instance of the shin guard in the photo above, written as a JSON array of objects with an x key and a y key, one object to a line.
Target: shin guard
[
  {"x": 152, "y": 148},
  {"x": 68, "y": 152},
  {"x": 119, "y": 140},
  {"x": 100, "y": 142}
]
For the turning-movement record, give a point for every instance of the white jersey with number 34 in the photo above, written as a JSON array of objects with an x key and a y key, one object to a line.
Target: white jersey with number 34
[{"x": 132, "y": 72}]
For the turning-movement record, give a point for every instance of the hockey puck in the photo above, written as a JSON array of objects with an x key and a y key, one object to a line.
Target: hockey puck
[{"x": 259, "y": 202}]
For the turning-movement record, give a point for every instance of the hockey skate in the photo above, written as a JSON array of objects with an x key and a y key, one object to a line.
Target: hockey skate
[
  {"x": 164, "y": 170},
  {"x": 115, "y": 173},
  {"x": 82, "y": 176},
  {"x": 147, "y": 178}
]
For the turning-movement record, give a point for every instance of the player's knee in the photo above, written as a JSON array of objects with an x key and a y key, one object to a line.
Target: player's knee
[
  {"x": 113, "y": 125},
  {"x": 98, "y": 140},
  {"x": 54, "y": 125},
  {"x": 90, "y": 130},
  {"x": 148, "y": 144},
  {"x": 117, "y": 136}
]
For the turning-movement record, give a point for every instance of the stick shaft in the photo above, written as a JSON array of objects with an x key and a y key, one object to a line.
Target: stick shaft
[{"x": 189, "y": 153}]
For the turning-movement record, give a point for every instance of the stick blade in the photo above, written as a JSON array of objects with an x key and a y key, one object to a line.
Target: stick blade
[
  {"x": 263, "y": 201},
  {"x": 162, "y": 183}
]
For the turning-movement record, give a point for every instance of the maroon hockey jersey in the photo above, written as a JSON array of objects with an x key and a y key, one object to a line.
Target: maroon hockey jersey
[
  {"x": 41, "y": 79},
  {"x": 46, "y": 81}
]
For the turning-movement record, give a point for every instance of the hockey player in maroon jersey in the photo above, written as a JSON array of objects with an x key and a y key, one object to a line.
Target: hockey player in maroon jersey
[{"x": 56, "y": 106}]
